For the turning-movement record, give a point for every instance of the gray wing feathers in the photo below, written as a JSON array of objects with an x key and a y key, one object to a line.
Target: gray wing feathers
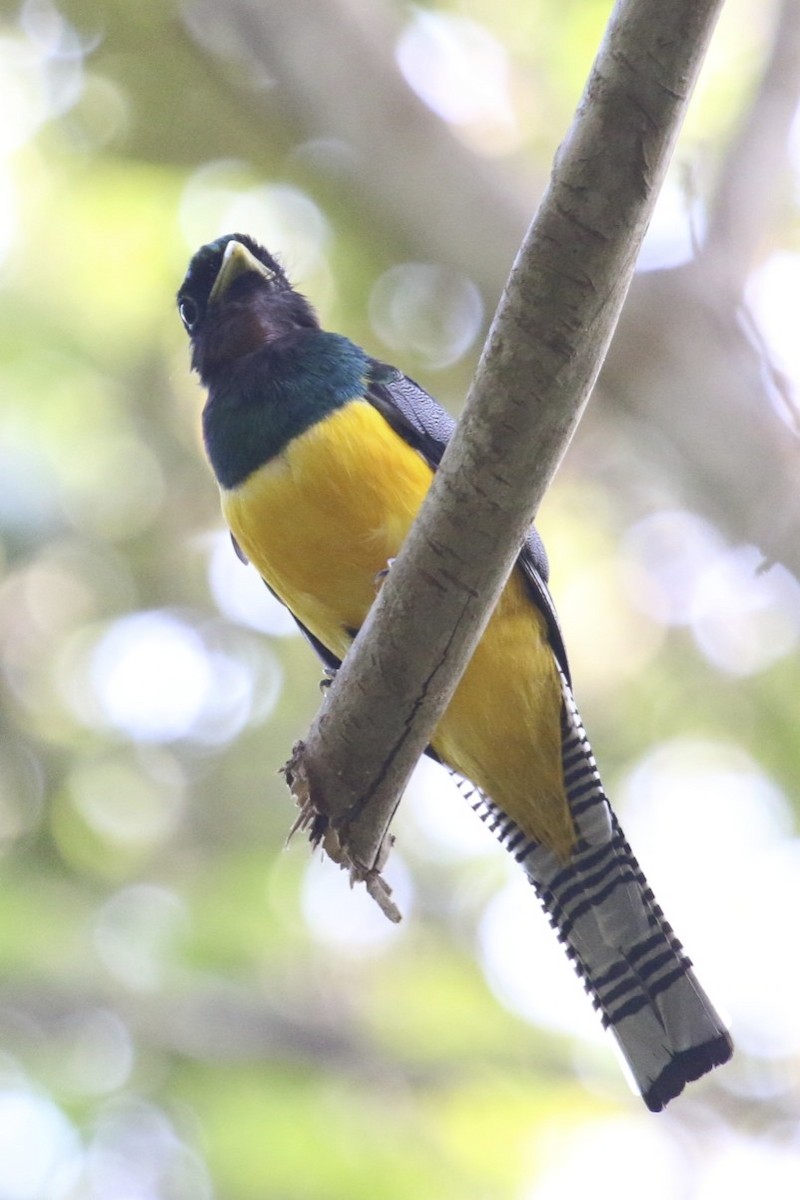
[{"x": 424, "y": 424}]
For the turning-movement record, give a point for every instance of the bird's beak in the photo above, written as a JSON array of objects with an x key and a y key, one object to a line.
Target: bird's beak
[{"x": 237, "y": 260}]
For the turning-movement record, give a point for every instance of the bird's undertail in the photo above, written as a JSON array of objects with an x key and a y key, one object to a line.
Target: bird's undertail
[{"x": 605, "y": 915}]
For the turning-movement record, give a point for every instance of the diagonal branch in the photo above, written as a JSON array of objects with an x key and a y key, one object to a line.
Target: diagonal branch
[
  {"x": 755, "y": 174},
  {"x": 310, "y": 92},
  {"x": 540, "y": 361},
  {"x": 337, "y": 80}
]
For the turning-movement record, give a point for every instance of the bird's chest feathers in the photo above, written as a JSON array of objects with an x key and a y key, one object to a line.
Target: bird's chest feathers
[{"x": 320, "y": 520}]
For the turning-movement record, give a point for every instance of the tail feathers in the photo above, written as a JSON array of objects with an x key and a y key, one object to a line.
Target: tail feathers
[{"x": 606, "y": 917}]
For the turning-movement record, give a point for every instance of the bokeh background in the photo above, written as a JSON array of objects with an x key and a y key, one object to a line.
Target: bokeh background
[{"x": 187, "y": 1009}]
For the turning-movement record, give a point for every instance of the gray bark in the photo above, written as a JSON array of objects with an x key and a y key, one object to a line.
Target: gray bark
[{"x": 540, "y": 361}]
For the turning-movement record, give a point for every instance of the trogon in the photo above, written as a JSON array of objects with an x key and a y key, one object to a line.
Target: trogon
[{"x": 323, "y": 456}]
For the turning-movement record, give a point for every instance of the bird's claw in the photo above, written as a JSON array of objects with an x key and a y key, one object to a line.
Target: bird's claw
[
  {"x": 328, "y": 676},
  {"x": 379, "y": 578}
]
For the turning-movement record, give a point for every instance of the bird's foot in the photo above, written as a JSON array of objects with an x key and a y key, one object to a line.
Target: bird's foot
[
  {"x": 379, "y": 578},
  {"x": 328, "y": 676}
]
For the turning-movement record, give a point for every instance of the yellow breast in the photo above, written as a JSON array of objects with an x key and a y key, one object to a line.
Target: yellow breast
[
  {"x": 323, "y": 519},
  {"x": 321, "y": 522}
]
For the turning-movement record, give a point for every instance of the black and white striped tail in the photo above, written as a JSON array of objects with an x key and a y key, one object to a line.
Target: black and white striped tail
[{"x": 604, "y": 913}]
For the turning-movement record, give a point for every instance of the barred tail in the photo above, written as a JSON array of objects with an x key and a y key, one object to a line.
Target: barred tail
[{"x": 606, "y": 917}]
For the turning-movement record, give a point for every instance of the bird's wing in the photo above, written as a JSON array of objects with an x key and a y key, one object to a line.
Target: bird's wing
[
  {"x": 416, "y": 416},
  {"x": 424, "y": 424}
]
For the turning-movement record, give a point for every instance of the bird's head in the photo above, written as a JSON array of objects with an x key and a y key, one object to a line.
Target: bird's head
[{"x": 234, "y": 299}]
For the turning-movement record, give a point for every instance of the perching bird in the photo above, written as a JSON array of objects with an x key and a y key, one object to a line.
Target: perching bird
[{"x": 323, "y": 456}]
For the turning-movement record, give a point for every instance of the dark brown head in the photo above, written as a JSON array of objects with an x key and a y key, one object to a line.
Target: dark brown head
[{"x": 235, "y": 299}]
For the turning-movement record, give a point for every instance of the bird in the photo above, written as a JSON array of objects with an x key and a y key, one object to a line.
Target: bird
[{"x": 323, "y": 455}]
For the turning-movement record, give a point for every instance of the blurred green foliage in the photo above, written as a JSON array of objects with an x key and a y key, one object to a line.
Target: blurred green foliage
[{"x": 186, "y": 1008}]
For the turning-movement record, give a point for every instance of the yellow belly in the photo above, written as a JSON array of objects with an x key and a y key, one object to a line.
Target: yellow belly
[{"x": 321, "y": 521}]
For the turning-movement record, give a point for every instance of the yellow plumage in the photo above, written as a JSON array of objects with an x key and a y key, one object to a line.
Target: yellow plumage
[
  {"x": 320, "y": 522},
  {"x": 320, "y": 492}
]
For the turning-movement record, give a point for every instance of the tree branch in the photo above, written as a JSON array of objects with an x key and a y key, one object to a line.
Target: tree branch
[
  {"x": 541, "y": 359},
  {"x": 268, "y": 85},
  {"x": 319, "y": 52},
  {"x": 755, "y": 176},
  {"x": 691, "y": 378}
]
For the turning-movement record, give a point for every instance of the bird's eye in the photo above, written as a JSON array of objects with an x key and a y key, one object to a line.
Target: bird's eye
[{"x": 189, "y": 312}]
